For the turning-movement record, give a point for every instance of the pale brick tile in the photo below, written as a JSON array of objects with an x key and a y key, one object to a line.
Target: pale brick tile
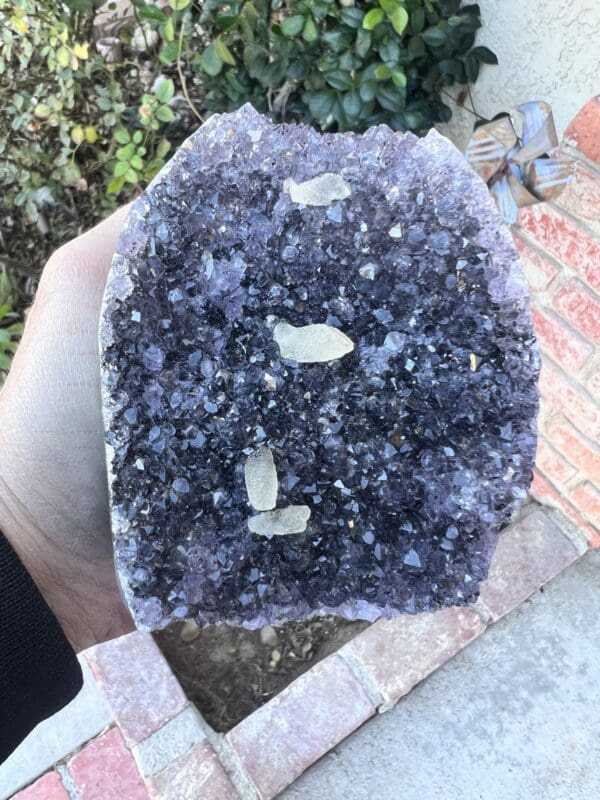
[
  {"x": 284, "y": 737},
  {"x": 529, "y": 554},
  {"x": 137, "y": 683},
  {"x": 198, "y": 775}
]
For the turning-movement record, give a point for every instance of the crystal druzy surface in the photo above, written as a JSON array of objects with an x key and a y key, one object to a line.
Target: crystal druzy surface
[{"x": 398, "y": 456}]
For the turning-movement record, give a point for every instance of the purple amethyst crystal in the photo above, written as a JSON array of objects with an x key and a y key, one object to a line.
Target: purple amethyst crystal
[{"x": 319, "y": 378}]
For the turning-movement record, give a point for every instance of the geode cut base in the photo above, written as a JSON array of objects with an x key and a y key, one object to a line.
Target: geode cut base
[{"x": 318, "y": 378}]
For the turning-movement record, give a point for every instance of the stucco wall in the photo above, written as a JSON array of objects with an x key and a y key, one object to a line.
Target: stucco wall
[{"x": 547, "y": 50}]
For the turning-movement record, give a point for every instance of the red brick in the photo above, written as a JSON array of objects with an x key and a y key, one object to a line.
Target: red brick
[
  {"x": 564, "y": 395},
  {"x": 593, "y": 384},
  {"x": 529, "y": 554},
  {"x": 105, "y": 770},
  {"x": 284, "y": 737},
  {"x": 399, "y": 653},
  {"x": 539, "y": 270},
  {"x": 586, "y": 498},
  {"x": 197, "y": 774},
  {"x": 544, "y": 492},
  {"x": 581, "y": 197},
  {"x": 559, "y": 340},
  {"x": 137, "y": 683},
  {"x": 47, "y": 788},
  {"x": 563, "y": 239},
  {"x": 551, "y": 464},
  {"x": 576, "y": 449},
  {"x": 580, "y": 307},
  {"x": 584, "y": 130}
]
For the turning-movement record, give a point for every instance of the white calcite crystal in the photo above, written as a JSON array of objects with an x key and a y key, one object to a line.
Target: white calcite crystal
[
  {"x": 260, "y": 476},
  {"x": 311, "y": 344},
  {"x": 320, "y": 191},
  {"x": 281, "y": 522}
]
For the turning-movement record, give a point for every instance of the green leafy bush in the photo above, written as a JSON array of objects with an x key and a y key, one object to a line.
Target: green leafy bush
[
  {"x": 10, "y": 324},
  {"x": 94, "y": 102},
  {"x": 341, "y": 65}
]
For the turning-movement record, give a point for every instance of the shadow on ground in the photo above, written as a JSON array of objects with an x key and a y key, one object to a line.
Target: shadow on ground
[{"x": 230, "y": 672}]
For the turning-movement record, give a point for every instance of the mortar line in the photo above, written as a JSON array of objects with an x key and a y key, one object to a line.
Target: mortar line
[
  {"x": 230, "y": 762},
  {"x": 366, "y": 681}
]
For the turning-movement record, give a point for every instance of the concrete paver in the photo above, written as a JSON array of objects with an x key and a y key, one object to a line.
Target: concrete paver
[{"x": 515, "y": 716}]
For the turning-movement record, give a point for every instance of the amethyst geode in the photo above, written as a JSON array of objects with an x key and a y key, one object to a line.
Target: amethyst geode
[{"x": 319, "y": 378}]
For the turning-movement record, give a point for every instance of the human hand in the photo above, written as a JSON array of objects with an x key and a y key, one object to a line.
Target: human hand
[{"x": 53, "y": 489}]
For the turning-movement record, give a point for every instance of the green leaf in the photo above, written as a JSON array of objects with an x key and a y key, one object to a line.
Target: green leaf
[
  {"x": 389, "y": 97},
  {"x": 417, "y": 20},
  {"x": 310, "y": 32},
  {"x": 373, "y": 18},
  {"x": 165, "y": 90},
  {"x": 382, "y": 72},
  {"x": 389, "y": 6},
  {"x": 485, "y": 55},
  {"x": 63, "y": 57},
  {"x": 399, "y": 78},
  {"x": 125, "y": 153},
  {"x": 179, "y": 5},
  {"x": 226, "y": 21},
  {"x": 131, "y": 176},
  {"x": 169, "y": 53},
  {"x": 338, "y": 40},
  {"x": 164, "y": 114},
  {"x": 390, "y": 51},
  {"x": 224, "y": 52},
  {"x": 320, "y": 104},
  {"x": 349, "y": 61},
  {"x": 104, "y": 103},
  {"x": 416, "y": 47},
  {"x": 412, "y": 121},
  {"x": 292, "y": 25},
  {"x": 453, "y": 67},
  {"x": 153, "y": 168},
  {"x": 42, "y": 111},
  {"x": 444, "y": 113},
  {"x": 163, "y": 148},
  {"x": 115, "y": 185},
  {"x": 151, "y": 12},
  {"x": 399, "y": 19},
  {"x": 212, "y": 64},
  {"x": 121, "y": 168},
  {"x": 168, "y": 30},
  {"x": 82, "y": 5},
  {"x": 137, "y": 137},
  {"x": 351, "y": 104},
  {"x": 71, "y": 173},
  {"x": 137, "y": 163},
  {"x": 367, "y": 91},
  {"x": 339, "y": 79},
  {"x": 122, "y": 136},
  {"x": 352, "y": 17},
  {"x": 434, "y": 37},
  {"x": 363, "y": 42},
  {"x": 472, "y": 67},
  {"x": 19, "y": 24}
]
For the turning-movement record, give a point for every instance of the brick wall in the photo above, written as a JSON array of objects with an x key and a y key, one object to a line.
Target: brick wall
[{"x": 559, "y": 244}]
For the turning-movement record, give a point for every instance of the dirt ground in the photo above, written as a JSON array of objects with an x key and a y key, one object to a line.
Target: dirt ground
[{"x": 230, "y": 672}]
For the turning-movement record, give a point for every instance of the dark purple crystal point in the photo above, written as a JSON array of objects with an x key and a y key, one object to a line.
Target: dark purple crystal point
[{"x": 319, "y": 378}]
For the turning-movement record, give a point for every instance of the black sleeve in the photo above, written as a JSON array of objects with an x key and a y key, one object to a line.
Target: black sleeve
[{"x": 39, "y": 672}]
